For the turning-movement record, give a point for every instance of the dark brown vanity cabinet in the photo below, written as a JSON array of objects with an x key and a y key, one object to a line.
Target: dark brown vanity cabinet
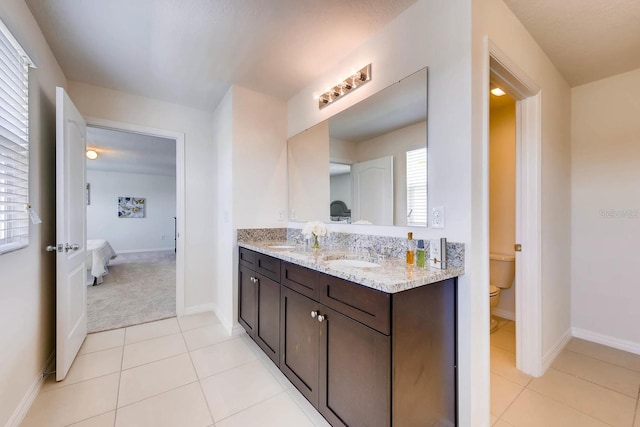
[
  {"x": 259, "y": 300},
  {"x": 364, "y": 357}
]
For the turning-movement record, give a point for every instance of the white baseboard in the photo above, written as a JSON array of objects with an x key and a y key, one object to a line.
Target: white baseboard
[
  {"x": 505, "y": 314},
  {"x": 135, "y": 251},
  {"x": 27, "y": 400},
  {"x": 197, "y": 309},
  {"x": 609, "y": 341},
  {"x": 551, "y": 355}
]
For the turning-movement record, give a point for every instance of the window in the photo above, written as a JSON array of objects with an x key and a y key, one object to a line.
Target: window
[
  {"x": 417, "y": 187},
  {"x": 14, "y": 143}
]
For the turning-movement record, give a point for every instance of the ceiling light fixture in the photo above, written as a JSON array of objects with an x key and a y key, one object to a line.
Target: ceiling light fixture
[
  {"x": 497, "y": 91},
  {"x": 343, "y": 87},
  {"x": 92, "y": 154}
]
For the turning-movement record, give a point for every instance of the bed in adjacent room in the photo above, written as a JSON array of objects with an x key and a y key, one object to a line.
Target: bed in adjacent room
[{"x": 99, "y": 253}]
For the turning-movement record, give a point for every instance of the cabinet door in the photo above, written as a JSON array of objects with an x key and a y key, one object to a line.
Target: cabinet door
[
  {"x": 247, "y": 290},
  {"x": 268, "y": 326},
  {"x": 299, "y": 335},
  {"x": 355, "y": 372}
]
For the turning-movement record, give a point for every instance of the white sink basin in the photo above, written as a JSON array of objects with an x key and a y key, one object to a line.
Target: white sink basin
[
  {"x": 282, "y": 247},
  {"x": 352, "y": 263}
]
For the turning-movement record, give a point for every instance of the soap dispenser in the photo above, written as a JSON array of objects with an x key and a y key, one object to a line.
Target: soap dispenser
[{"x": 410, "y": 250}]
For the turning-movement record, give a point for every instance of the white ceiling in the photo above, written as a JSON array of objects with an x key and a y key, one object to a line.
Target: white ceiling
[
  {"x": 587, "y": 40},
  {"x": 131, "y": 152},
  {"x": 190, "y": 51}
]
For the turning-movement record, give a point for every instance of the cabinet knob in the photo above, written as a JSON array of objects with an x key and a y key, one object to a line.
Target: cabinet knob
[
  {"x": 314, "y": 313},
  {"x": 321, "y": 318}
]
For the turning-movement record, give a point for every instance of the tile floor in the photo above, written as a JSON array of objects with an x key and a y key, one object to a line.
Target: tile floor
[
  {"x": 188, "y": 372},
  {"x": 587, "y": 385},
  {"x": 175, "y": 372}
]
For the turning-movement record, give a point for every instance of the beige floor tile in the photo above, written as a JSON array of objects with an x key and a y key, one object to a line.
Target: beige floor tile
[
  {"x": 637, "y": 420},
  {"x": 311, "y": 412},
  {"x": 276, "y": 372},
  {"x": 605, "y": 374},
  {"x": 493, "y": 419},
  {"x": 606, "y": 405},
  {"x": 510, "y": 326},
  {"x": 88, "y": 366},
  {"x": 206, "y": 336},
  {"x": 504, "y": 339},
  {"x": 76, "y": 402},
  {"x": 197, "y": 320},
  {"x": 503, "y": 363},
  {"x": 502, "y": 322},
  {"x": 502, "y": 423},
  {"x": 253, "y": 346},
  {"x": 220, "y": 357},
  {"x": 155, "y": 378},
  {"x": 184, "y": 406},
  {"x": 104, "y": 420},
  {"x": 147, "y": 331},
  {"x": 532, "y": 409},
  {"x": 102, "y": 341},
  {"x": 239, "y": 388},
  {"x": 278, "y": 411},
  {"x": 503, "y": 393},
  {"x": 604, "y": 353},
  {"x": 151, "y": 350}
]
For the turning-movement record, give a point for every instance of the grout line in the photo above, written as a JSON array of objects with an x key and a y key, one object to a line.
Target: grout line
[
  {"x": 606, "y": 361},
  {"x": 157, "y": 394},
  {"x": 93, "y": 416},
  {"x": 636, "y": 415},
  {"x": 251, "y": 406}
]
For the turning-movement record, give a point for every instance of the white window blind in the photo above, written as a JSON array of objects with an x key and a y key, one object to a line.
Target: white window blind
[
  {"x": 14, "y": 143},
  {"x": 417, "y": 187}
]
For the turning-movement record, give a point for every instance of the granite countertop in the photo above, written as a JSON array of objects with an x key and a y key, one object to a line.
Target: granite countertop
[{"x": 393, "y": 275}]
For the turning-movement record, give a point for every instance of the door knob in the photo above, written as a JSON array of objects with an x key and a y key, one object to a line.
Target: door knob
[
  {"x": 314, "y": 313},
  {"x": 321, "y": 318},
  {"x": 73, "y": 247},
  {"x": 53, "y": 248}
]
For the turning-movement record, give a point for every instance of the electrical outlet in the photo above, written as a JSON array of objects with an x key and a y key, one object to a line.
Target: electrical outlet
[
  {"x": 437, "y": 217},
  {"x": 281, "y": 215},
  {"x": 293, "y": 214}
]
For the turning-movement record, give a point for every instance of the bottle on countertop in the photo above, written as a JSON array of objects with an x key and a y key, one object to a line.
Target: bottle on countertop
[
  {"x": 410, "y": 249},
  {"x": 420, "y": 254}
]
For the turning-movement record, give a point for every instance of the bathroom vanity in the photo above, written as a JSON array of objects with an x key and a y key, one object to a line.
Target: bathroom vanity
[{"x": 367, "y": 346}]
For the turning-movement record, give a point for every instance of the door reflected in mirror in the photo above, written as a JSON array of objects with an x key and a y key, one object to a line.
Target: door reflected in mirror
[{"x": 368, "y": 163}]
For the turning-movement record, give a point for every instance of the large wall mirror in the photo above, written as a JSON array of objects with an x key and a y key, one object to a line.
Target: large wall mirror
[{"x": 368, "y": 163}]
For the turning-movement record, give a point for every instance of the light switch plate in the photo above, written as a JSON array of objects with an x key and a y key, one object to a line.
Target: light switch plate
[{"x": 437, "y": 217}]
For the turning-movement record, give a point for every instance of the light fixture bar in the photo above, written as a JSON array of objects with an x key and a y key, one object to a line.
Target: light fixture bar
[{"x": 348, "y": 85}]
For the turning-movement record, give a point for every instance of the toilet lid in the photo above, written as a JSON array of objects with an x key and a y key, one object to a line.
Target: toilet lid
[{"x": 493, "y": 290}]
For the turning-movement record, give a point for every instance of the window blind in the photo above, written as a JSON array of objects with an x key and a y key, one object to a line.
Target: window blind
[
  {"x": 417, "y": 187},
  {"x": 14, "y": 143}
]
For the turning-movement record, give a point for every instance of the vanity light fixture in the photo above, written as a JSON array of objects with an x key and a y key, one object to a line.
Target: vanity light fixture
[
  {"x": 354, "y": 81},
  {"x": 92, "y": 154},
  {"x": 497, "y": 91}
]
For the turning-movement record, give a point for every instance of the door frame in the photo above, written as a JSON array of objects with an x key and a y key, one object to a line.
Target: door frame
[
  {"x": 529, "y": 357},
  {"x": 180, "y": 191}
]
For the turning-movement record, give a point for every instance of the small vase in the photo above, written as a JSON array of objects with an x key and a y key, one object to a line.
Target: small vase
[{"x": 315, "y": 245}]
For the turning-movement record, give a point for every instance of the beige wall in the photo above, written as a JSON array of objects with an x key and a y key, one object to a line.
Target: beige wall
[
  {"x": 27, "y": 276},
  {"x": 102, "y": 103},
  {"x": 502, "y": 193},
  {"x": 605, "y": 227},
  {"x": 251, "y": 146}
]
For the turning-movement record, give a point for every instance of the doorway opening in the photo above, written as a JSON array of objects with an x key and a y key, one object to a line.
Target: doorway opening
[
  {"x": 135, "y": 209},
  {"x": 527, "y": 186}
]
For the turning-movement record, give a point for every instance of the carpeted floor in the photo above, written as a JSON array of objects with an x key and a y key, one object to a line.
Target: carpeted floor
[{"x": 139, "y": 288}]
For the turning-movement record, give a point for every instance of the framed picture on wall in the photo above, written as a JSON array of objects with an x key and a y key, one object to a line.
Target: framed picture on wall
[{"x": 131, "y": 207}]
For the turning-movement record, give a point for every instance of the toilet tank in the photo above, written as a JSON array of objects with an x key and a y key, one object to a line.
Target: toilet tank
[{"x": 502, "y": 270}]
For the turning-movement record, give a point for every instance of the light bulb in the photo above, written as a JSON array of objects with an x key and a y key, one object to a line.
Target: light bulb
[
  {"x": 92, "y": 154},
  {"x": 497, "y": 91}
]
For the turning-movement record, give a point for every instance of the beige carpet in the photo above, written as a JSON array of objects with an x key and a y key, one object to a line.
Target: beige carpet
[{"x": 139, "y": 288}]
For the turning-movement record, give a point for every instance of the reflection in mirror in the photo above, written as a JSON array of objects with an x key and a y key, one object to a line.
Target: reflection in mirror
[{"x": 375, "y": 153}]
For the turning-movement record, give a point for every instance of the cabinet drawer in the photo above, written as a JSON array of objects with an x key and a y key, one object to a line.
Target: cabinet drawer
[
  {"x": 247, "y": 258},
  {"x": 301, "y": 279},
  {"x": 363, "y": 304},
  {"x": 268, "y": 266}
]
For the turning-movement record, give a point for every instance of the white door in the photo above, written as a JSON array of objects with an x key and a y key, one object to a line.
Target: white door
[
  {"x": 372, "y": 191},
  {"x": 71, "y": 230}
]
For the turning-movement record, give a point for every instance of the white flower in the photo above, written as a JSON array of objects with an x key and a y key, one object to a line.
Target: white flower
[{"x": 314, "y": 228}]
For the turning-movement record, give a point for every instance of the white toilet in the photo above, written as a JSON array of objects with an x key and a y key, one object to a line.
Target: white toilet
[{"x": 502, "y": 270}]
